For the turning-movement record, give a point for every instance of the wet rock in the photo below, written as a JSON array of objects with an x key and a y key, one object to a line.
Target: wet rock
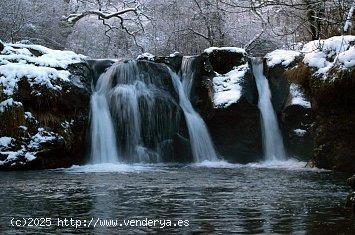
[
  {"x": 350, "y": 200},
  {"x": 351, "y": 182},
  {"x": 1, "y": 46},
  {"x": 234, "y": 126}
]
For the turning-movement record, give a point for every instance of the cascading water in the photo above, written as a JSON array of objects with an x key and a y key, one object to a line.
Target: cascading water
[
  {"x": 103, "y": 137},
  {"x": 272, "y": 139},
  {"x": 187, "y": 73},
  {"x": 132, "y": 109},
  {"x": 201, "y": 143}
]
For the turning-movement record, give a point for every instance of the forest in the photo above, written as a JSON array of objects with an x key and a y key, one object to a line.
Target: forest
[{"x": 110, "y": 28}]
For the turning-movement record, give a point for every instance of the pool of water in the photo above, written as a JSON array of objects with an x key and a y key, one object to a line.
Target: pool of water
[{"x": 207, "y": 198}]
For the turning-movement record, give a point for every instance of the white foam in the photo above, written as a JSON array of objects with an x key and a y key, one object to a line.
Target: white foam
[
  {"x": 109, "y": 167},
  {"x": 215, "y": 164},
  {"x": 289, "y": 164}
]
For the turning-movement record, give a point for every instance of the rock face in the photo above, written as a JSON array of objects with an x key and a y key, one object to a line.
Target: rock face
[
  {"x": 327, "y": 75},
  {"x": 291, "y": 103},
  {"x": 335, "y": 121},
  {"x": 45, "y": 95},
  {"x": 44, "y": 102},
  {"x": 224, "y": 92},
  {"x": 350, "y": 200}
]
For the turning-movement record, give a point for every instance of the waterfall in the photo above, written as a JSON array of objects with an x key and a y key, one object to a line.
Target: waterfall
[
  {"x": 103, "y": 137},
  {"x": 131, "y": 108},
  {"x": 272, "y": 139},
  {"x": 187, "y": 73},
  {"x": 134, "y": 114},
  {"x": 201, "y": 143}
]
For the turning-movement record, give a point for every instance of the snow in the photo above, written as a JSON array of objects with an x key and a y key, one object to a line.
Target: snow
[
  {"x": 41, "y": 137},
  {"x": 28, "y": 115},
  {"x": 29, "y": 156},
  {"x": 5, "y": 141},
  {"x": 298, "y": 97},
  {"x": 49, "y": 57},
  {"x": 176, "y": 53},
  {"x": 348, "y": 22},
  {"x": 19, "y": 61},
  {"x": 300, "y": 132},
  {"x": 147, "y": 56},
  {"x": 230, "y": 49},
  {"x": 8, "y": 103},
  {"x": 227, "y": 87},
  {"x": 335, "y": 51},
  {"x": 347, "y": 58},
  {"x": 284, "y": 57},
  {"x": 27, "y": 151}
]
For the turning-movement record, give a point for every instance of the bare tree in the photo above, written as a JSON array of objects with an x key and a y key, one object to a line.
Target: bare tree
[{"x": 114, "y": 15}]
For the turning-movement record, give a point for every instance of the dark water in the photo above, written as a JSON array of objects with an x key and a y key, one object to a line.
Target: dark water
[{"x": 240, "y": 199}]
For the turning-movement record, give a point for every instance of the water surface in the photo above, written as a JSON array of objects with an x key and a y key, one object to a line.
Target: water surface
[{"x": 215, "y": 198}]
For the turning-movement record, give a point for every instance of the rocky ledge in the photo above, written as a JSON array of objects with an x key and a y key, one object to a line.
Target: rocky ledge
[
  {"x": 45, "y": 95},
  {"x": 44, "y": 106},
  {"x": 324, "y": 70}
]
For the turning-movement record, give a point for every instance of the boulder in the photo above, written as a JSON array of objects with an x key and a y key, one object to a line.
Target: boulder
[
  {"x": 225, "y": 94},
  {"x": 326, "y": 73},
  {"x": 45, "y": 104}
]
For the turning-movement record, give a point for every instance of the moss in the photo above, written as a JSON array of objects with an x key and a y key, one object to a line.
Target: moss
[
  {"x": 299, "y": 74},
  {"x": 11, "y": 119}
]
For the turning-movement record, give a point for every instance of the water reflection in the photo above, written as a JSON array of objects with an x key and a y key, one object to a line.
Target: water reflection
[{"x": 215, "y": 200}]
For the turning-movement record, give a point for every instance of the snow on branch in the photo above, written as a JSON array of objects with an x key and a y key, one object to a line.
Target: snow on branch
[
  {"x": 73, "y": 18},
  {"x": 348, "y": 21}
]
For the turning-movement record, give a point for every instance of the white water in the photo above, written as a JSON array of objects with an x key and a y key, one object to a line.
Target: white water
[
  {"x": 103, "y": 137},
  {"x": 272, "y": 140},
  {"x": 187, "y": 73},
  {"x": 201, "y": 143}
]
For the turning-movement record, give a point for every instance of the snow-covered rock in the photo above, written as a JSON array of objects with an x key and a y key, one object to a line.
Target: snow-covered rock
[
  {"x": 322, "y": 55},
  {"x": 37, "y": 64},
  {"x": 146, "y": 56},
  {"x": 283, "y": 57},
  {"x": 5, "y": 141},
  {"x": 8, "y": 103},
  {"x": 227, "y": 87},
  {"x": 228, "y": 49},
  {"x": 41, "y": 88},
  {"x": 300, "y": 132},
  {"x": 298, "y": 97}
]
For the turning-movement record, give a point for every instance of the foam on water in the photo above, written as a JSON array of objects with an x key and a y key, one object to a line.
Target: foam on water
[
  {"x": 290, "y": 164},
  {"x": 109, "y": 167},
  {"x": 215, "y": 164}
]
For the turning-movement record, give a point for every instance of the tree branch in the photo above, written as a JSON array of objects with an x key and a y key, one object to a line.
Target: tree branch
[{"x": 73, "y": 18}]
